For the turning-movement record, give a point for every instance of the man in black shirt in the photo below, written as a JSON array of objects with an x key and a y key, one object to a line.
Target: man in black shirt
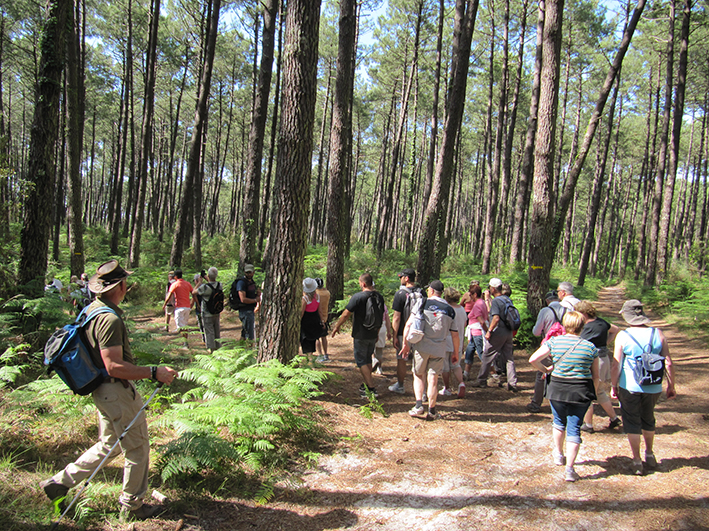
[{"x": 364, "y": 338}]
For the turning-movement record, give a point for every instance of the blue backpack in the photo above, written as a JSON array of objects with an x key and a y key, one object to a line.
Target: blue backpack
[{"x": 68, "y": 354}]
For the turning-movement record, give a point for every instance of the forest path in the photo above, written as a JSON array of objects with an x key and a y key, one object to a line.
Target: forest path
[{"x": 487, "y": 464}]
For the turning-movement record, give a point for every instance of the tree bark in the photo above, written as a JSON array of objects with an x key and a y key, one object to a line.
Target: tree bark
[
  {"x": 250, "y": 218},
  {"x": 541, "y": 253},
  {"x": 34, "y": 237},
  {"x": 181, "y": 229},
  {"x": 428, "y": 266}
]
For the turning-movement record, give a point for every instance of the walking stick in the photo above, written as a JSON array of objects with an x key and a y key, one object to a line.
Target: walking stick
[{"x": 120, "y": 438}]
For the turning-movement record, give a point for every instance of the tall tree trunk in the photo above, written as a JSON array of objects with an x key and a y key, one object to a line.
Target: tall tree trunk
[
  {"x": 575, "y": 172},
  {"x": 669, "y": 188},
  {"x": 542, "y": 223},
  {"x": 431, "y": 160},
  {"x": 34, "y": 236},
  {"x": 280, "y": 318},
  {"x": 340, "y": 148},
  {"x": 181, "y": 229},
  {"x": 522, "y": 199},
  {"x": 146, "y": 136},
  {"x": 75, "y": 137},
  {"x": 428, "y": 266},
  {"x": 250, "y": 218}
]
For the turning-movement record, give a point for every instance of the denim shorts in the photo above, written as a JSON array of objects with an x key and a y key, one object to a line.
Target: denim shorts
[{"x": 569, "y": 417}]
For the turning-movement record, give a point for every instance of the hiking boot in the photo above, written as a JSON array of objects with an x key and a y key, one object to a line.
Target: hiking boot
[
  {"x": 433, "y": 416},
  {"x": 396, "y": 388},
  {"x": 143, "y": 512},
  {"x": 512, "y": 388},
  {"x": 479, "y": 383},
  {"x": 53, "y": 490},
  {"x": 650, "y": 461},
  {"x": 570, "y": 474},
  {"x": 533, "y": 408},
  {"x": 445, "y": 392},
  {"x": 586, "y": 428},
  {"x": 416, "y": 411},
  {"x": 461, "y": 390},
  {"x": 614, "y": 423}
]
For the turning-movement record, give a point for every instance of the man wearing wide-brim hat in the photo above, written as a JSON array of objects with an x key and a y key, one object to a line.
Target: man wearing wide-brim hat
[{"x": 117, "y": 400}]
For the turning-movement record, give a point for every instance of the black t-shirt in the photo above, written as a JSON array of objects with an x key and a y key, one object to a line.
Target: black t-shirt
[
  {"x": 399, "y": 304},
  {"x": 249, "y": 287},
  {"x": 358, "y": 306},
  {"x": 596, "y": 332}
]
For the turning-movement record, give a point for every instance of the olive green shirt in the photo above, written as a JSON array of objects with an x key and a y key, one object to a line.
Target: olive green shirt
[{"x": 107, "y": 330}]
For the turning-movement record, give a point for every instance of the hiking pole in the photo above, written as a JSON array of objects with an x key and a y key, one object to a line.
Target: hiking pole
[{"x": 120, "y": 438}]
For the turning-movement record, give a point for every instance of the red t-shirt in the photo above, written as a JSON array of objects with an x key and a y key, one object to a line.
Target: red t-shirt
[{"x": 183, "y": 293}]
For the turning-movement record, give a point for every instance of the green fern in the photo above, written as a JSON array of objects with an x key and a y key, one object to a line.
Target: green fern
[{"x": 238, "y": 414}]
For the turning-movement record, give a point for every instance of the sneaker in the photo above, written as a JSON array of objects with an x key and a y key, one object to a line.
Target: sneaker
[
  {"x": 396, "y": 388},
  {"x": 512, "y": 388},
  {"x": 53, "y": 490},
  {"x": 378, "y": 370},
  {"x": 479, "y": 383},
  {"x": 559, "y": 459},
  {"x": 533, "y": 408},
  {"x": 650, "y": 461},
  {"x": 433, "y": 416},
  {"x": 461, "y": 390},
  {"x": 614, "y": 423},
  {"x": 143, "y": 512},
  {"x": 322, "y": 359},
  {"x": 363, "y": 392},
  {"x": 637, "y": 468},
  {"x": 445, "y": 392},
  {"x": 416, "y": 411},
  {"x": 585, "y": 427},
  {"x": 570, "y": 474}
]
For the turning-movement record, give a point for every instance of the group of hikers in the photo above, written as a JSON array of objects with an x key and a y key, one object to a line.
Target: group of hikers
[
  {"x": 575, "y": 366},
  {"x": 574, "y": 363}
]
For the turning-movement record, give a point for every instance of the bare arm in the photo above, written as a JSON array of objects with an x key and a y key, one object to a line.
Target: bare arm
[
  {"x": 669, "y": 367},
  {"x": 493, "y": 324},
  {"x": 456, "y": 345},
  {"x": 395, "y": 323},
  {"x": 345, "y": 315},
  {"x": 612, "y": 332},
  {"x": 536, "y": 359},
  {"x": 118, "y": 368}
]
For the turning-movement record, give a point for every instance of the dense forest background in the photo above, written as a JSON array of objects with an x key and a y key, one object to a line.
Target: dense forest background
[{"x": 433, "y": 128}]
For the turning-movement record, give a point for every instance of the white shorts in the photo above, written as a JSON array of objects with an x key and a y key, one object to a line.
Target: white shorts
[{"x": 181, "y": 316}]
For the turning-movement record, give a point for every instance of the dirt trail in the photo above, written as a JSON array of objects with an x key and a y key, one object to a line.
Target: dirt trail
[{"x": 487, "y": 463}]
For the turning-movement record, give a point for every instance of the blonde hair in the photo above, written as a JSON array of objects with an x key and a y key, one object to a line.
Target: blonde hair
[
  {"x": 573, "y": 322},
  {"x": 586, "y": 308},
  {"x": 451, "y": 295}
]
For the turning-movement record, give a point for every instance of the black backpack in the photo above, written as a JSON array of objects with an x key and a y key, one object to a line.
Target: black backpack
[
  {"x": 373, "y": 312},
  {"x": 215, "y": 304},
  {"x": 234, "y": 299},
  {"x": 511, "y": 318},
  {"x": 67, "y": 353}
]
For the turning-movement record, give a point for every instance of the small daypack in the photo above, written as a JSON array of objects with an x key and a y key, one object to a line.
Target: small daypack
[
  {"x": 215, "y": 304},
  {"x": 415, "y": 300},
  {"x": 556, "y": 329},
  {"x": 373, "y": 312},
  {"x": 649, "y": 367},
  {"x": 67, "y": 353},
  {"x": 511, "y": 318},
  {"x": 234, "y": 299}
]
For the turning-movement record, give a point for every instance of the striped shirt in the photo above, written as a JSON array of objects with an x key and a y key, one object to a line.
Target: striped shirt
[{"x": 577, "y": 363}]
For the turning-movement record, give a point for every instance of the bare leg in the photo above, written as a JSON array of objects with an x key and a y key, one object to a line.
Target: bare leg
[
  {"x": 558, "y": 439},
  {"x": 608, "y": 408},
  {"x": 432, "y": 389},
  {"x": 323, "y": 340},
  {"x": 458, "y": 374},
  {"x": 366, "y": 371},
  {"x": 588, "y": 417},
  {"x": 418, "y": 386},
  {"x": 634, "y": 440},
  {"x": 572, "y": 450},
  {"x": 446, "y": 380},
  {"x": 649, "y": 437},
  {"x": 318, "y": 347}
]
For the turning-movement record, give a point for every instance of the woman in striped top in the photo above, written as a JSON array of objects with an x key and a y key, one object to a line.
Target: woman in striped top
[{"x": 572, "y": 381}]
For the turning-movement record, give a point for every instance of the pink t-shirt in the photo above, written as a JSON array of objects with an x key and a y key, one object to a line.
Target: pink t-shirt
[{"x": 479, "y": 310}]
